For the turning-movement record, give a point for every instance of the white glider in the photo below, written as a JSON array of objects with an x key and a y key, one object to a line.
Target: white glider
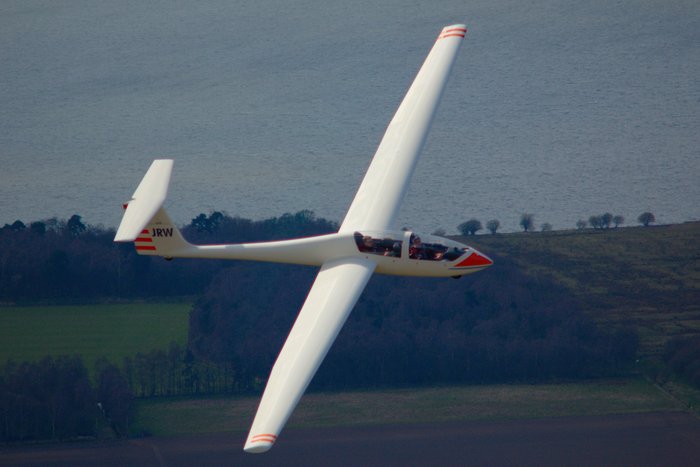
[{"x": 365, "y": 243}]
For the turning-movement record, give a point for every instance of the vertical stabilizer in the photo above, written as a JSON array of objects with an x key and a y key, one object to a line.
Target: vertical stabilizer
[
  {"x": 161, "y": 238},
  {"x": 146, "y": 200}
]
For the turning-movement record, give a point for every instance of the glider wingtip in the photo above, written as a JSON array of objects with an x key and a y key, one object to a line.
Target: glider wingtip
[
  {"x": 123, "y": 239},
  {"x": 453, "y": 30},
  {"x": 260, "y": 443},
  {"x": 257, "y": 447},
  {"x": 126, "y": 233}
]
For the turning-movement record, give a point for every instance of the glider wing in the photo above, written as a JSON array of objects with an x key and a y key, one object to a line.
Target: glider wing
[
  {"x": 379, "y": 197},
  {"x": 337, "y": 287}
]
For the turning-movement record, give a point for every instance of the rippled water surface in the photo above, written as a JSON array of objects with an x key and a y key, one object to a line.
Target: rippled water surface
[{"x": 557, "y": 108}]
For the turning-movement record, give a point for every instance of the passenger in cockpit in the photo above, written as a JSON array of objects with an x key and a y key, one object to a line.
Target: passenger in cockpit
[
  {"x": 453, "y": 253},
  {"x": 368, "y": 243},
  {"x": 416, "y": 250},
  {"x": 394, "y": 250}
]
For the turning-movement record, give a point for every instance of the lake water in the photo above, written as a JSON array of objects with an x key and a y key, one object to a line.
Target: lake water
[{"x": 562, "y": 109}]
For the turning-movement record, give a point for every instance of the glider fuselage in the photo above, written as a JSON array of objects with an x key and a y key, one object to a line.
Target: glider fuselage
[{"x": 400, "y": 253}]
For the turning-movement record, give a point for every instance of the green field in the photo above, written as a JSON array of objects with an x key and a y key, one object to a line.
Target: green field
[
  {"x": 166, "y": 417},
  {"x": 114, "y": 331}
]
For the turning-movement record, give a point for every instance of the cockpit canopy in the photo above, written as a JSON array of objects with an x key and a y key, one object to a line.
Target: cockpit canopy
[
  {"x": 434, "y": 248},
  {"x": 380, "y": 243},
  {"x": 409, "y": 245}
]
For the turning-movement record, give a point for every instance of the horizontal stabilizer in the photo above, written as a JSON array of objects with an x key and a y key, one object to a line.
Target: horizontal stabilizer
[{"x": 146, "y": 200}]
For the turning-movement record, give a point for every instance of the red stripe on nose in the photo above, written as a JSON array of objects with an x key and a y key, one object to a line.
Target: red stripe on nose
[{"x": 474, "y": 260}]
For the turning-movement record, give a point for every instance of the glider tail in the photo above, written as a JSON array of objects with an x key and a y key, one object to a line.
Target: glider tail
[
  {"x": 145, "y": 221},
  {"x": 161, "y": 238}
]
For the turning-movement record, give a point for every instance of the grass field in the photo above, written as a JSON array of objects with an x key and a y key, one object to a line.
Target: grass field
[
  {"x": 165, "y": 417},
  {"x": 91, "y": 331}
]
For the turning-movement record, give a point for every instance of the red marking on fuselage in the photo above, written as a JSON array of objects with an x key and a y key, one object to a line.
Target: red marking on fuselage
[
  {"x": 474, "y": 260},
  {"x": 146, "y": 247},
  {"x": 144, "y": 239}
]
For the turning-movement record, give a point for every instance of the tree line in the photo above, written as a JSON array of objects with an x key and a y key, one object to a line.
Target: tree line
[
  {"x": 527, "y": 223},
  {"x": 55, "y": 399},
  {"x": 71, "y": 261},
  {"x": 57, "y": 260},
  {"x": 177, "y": 372}
]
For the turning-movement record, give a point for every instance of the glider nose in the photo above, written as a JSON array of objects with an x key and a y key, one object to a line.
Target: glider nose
[
  {"x": 475, "y": 260},
  {"x": 482, "y": 258}
]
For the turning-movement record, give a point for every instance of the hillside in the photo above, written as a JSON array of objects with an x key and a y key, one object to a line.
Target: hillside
[
  {"x": 644, "y": 277},
  {"x": 530, "y": 318}
]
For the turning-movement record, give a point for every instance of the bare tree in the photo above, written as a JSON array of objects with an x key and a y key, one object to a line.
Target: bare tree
[
  {"x": 606, "y": 220},
  {"x": 470, "y": 227},
  {"x": 596, "y": 222},
  {"x": 646, "y": 218},
  {"x": 75, "y": 225},
  {"x": 618, "y": 220},
  {"x": 581, "y": 224},
  {"x": 527, "y": 221},
  {"x": 493, "y": 225}
]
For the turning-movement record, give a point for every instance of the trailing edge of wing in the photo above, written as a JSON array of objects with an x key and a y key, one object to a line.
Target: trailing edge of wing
[
  {"x": 146, "y": 200},
  {"x": 337, "y": 287},
  {"x": 379, "y": 197}
]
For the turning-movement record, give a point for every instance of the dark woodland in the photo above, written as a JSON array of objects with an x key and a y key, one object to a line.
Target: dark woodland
[{"x": 500, "y": 325}]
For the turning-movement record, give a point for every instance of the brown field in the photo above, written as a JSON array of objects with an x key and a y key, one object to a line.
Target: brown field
[
  {"x": 178, "y": 416},
  {"x": 651, "y": 439}
]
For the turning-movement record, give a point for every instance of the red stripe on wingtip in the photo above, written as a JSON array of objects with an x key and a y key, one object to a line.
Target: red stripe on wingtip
[
  {"x": 146, "y": 247},
  {"x": 263, "y": 437},
  {"x": 262, "y": 440},
  {"x": 453, "y": 32}
]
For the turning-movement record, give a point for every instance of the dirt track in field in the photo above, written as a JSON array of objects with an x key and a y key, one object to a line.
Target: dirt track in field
[{"x": 663, "y": 439}]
